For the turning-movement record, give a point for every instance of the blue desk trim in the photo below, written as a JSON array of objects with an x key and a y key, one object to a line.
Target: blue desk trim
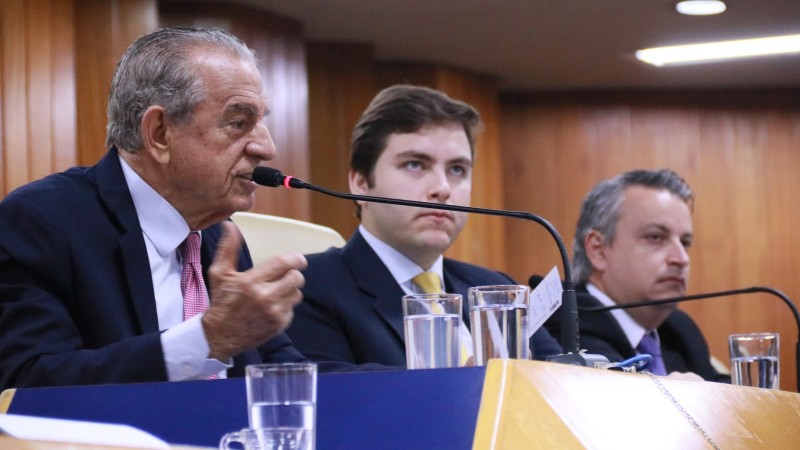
[{"x": 403, "y": 409}]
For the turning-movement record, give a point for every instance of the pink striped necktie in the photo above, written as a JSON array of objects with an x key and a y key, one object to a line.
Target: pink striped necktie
[
  {"x": 192, "y": 285},
  {"x": 195, "y": 296}
]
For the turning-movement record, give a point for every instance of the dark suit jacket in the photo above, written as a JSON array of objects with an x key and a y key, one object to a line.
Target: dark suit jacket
[
  {"x": 352, "y": 310},
  {"x": 76, "y": 293},
  {"x": 683, "y": 346}
]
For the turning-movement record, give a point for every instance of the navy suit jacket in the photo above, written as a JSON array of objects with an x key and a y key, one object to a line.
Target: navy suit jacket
[
  {"x": 76, "y": 294},
  {"x": 683, "y": 347},
  {"x": 352, "y": 310}
]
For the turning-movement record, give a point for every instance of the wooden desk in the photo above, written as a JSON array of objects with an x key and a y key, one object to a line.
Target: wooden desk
[{"x": 535, "y": 405}]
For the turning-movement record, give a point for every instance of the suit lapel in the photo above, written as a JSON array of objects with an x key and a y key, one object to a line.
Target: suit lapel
[
  {"x": 602, "y": 324},
  {"x": 115, "y": 195},
  {"x": 375, "y": 280}
]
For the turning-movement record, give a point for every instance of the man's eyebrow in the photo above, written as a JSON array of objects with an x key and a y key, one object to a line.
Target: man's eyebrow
[
  {"x": 414, "y": 154},
  {"x": 664, "y": 228},
  {"x": 650, "y": 226},
  {"x": 426, "y": 157},
  {"x": 243, "y": 108},
  {"x": 461, "y": 160}
]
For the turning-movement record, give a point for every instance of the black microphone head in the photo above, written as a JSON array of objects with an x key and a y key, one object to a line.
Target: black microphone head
[
  {"x": 267, "y": 176},
  {"x": 534, "y": 280}
]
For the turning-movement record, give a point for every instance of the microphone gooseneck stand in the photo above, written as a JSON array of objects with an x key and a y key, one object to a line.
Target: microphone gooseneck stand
[
  {"x": 270, "y": 177},
  {"x": 750, "y": 290}
]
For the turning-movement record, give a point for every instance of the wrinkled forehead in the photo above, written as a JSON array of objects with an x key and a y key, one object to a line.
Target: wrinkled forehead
[
  {"x": 229, "y": 73},
  {"x": 644, "y": 205}
]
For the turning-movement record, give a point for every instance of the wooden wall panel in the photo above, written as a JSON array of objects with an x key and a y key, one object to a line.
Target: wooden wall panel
[
  {"x": 280, "y": 48},
  {"x": 15, "y": 137},
  {"x": 38, "y": 84},
  {"x": 341, "y": 85},
  {"x": 105, "y": 28},
  {"x": 63, "y": 117},
  {"x": 57, "y": 62},
  {"x": 738, "y": 150}
]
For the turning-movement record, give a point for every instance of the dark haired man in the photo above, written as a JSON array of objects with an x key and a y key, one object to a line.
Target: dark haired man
[
  {"x": 411, "y": 143},
  {"x": 631, "y": 245}
]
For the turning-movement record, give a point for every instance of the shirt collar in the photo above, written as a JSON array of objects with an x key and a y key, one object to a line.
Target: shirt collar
[
  {"x": 402, "y": 268},
  {"x": 633, "y": 331},
  {"x": 161, "y": 222}
]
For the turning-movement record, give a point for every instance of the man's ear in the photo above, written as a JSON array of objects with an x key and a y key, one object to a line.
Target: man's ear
[
  {"x": 155, "y": 134},
  {"x": 358, "y": 183},
  {"x": 595, "y": 245}
]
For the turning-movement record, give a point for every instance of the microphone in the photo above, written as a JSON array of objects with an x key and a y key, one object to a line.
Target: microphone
[
  {"x": 267, "y": 176},
  {"x": 686, "y": 298},
  {"x": 534, "y": 280}
]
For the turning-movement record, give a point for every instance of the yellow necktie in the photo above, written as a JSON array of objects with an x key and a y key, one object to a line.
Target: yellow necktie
[{"x": 430, "y": 283}]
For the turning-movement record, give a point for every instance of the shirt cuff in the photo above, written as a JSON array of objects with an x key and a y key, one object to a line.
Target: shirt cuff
[{"x": 186, "y": 352}]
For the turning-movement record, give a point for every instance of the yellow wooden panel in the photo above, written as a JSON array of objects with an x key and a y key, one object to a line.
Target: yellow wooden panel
[
  {"x": 6, "y": 397},
  {"x": 531, "y": 404}
]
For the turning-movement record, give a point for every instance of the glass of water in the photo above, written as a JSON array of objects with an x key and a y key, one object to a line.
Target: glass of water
[
  {"x": 432, "y": 326},
  {"x": 266, "y": 439},
  {"x": 754, "y": 359},
  {"x": 282, "y": 399},
  {"x": 499, "y": 317}
]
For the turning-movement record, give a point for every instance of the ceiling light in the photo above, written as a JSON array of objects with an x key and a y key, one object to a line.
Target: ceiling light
[
  {"x": 700, "y": 7},
  {"x": 718, "y": 51}
]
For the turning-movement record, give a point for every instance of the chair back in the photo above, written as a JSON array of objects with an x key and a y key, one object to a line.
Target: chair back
[{"x": 269, "y": 236}]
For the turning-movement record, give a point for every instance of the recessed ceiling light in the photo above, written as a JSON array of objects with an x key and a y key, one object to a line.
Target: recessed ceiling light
[
  {"x": 700, "y": 7},
  {"x": 718, "y": 51}
]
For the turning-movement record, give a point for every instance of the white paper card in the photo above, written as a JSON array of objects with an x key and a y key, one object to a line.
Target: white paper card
[
  {"x": 544, "y": 301},
  {"x": 77, "y": 432}
]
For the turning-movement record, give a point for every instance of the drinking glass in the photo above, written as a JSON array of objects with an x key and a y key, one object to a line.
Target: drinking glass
[
  {"x": 499, "y": 316},
  {"x": 432, "y": 326},
  {"x": 754, "y": 359},
  {"x": 267, "y": 439},
  {"x": 282, "y": 401}
]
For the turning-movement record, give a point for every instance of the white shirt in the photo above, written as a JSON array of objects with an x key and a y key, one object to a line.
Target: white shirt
[
  {"x": 633, "y": 331},
  {"x": 184, "y": 343},
  {"x": 403, "y": 269}
]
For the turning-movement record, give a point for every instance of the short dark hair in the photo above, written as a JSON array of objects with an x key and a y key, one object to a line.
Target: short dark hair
[
  {"x": 156, "y": 70},
  {"x": 405, "y": 109},
  {"x": 600, "y": 210}
]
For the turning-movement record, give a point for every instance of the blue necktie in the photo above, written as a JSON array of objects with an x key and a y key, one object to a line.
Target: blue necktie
[{"x": 649, "y": 345}]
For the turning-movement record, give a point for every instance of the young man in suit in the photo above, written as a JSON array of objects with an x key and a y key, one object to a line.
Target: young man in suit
[
  {"x": 102, "y": 268},
  {"x": 411, "y": 143},
  {"x": 631, "y": 245}
]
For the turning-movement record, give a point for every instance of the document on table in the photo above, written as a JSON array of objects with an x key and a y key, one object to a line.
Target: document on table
[
  {"x": 544, "y": 301},
  {"x": 78, "y": 432}
]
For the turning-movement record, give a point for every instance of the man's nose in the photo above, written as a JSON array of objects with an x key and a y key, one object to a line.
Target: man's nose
[
  {"x": 440, "y": 188},
  {"x": 261, "y": 145},
  {"x": 679, "y": 254}
]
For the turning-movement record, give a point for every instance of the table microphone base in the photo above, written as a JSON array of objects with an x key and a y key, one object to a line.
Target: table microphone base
[{"x": 580, "y": 359}]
